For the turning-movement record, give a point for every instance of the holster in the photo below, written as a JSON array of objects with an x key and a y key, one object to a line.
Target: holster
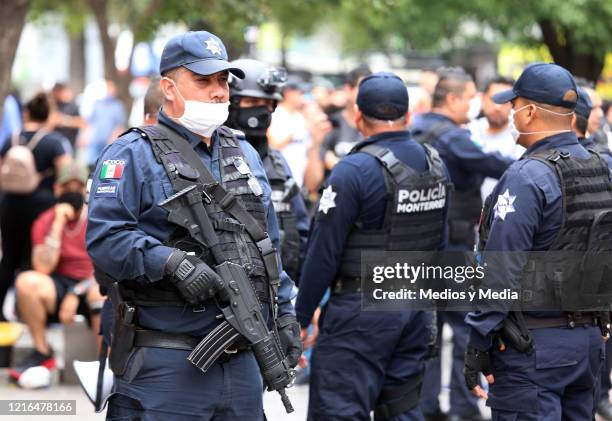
[
  {"x": 124, "y": 330},
  {"x": 515, "y": 332}
]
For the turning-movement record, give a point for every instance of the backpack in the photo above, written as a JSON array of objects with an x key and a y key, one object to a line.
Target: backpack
[{"x": 18, "y": 172}]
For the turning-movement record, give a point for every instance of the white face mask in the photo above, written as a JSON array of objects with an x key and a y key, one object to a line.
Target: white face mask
[
  {"x": 516, "y": 134},
  {"x": 202, "y": 118}
]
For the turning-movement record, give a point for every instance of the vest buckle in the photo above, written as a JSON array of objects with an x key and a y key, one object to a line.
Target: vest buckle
[{"x": 206, "y": 197}]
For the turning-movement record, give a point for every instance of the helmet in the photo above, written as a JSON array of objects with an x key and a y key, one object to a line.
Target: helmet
[{"x": 260, "y": 81}]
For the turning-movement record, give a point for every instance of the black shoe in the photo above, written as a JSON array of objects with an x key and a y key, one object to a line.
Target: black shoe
[
  {"x": 604, "y": 409},
  {"x": 436, "y": 416},
  {"x": 34, "y": 359}
]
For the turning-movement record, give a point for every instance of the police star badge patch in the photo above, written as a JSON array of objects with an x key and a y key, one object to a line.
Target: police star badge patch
[
  {"x": 504, "y": 205},
  {"x": 328, "y": 200},
  {"x": 213, "y": 46},
  {"x": 112, "y": 169}
]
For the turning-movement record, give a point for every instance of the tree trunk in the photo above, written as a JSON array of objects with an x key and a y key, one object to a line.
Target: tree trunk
[
  {"x": 99, "y": 9},
  {"x": 588, "y": 66},
  {"x": 283, "y": 49},
  {"x": 12, "y": 20},
  {"x": 122, "y": 81},
  {"x": 77, "y": 62}
]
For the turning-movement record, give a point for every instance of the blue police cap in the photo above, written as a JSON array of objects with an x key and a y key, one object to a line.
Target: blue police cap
[
  {"x": 382, "y": 96},
  {"x": 199, "y": 51},
  {"x": 543, "y": 83},
  {"x": 584, "y": 104}
]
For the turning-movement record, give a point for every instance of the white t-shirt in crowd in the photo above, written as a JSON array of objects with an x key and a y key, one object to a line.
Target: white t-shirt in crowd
[
  {"x": 501, "y": 142},
  {"x": 286, "y": 122}
]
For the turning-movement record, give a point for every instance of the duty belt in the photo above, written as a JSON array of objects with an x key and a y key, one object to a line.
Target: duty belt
[
  {"x": 158, "y": 339},
  {"x": 569, "y": 321}
]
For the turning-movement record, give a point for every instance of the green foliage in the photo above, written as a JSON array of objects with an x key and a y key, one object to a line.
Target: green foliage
[
  {"x": 402, "y": 25},
  {"x": 73, "y": 13}
]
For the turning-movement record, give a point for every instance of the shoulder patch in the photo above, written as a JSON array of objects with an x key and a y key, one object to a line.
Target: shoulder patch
[
  {"x": 328, "y": 200},
  {"x": 504, "y": 205},
  {"x": 106, "y": 190},
  {"x": 112, "y": 169}
]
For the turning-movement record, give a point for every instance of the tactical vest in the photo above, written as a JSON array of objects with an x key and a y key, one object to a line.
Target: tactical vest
[
  {"x": 414, "y": 212},
  {"x": 466, "y": 205},
  {"x": 571, "y": 275},
  {"x": 284, "y": 189},
  {"x": 236, "y": 243}
]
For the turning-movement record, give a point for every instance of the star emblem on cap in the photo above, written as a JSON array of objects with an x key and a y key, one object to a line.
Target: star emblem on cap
[{"x": 213, "y": 46}]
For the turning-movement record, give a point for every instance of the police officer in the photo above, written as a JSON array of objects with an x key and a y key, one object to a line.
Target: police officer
[
  {"x": 580, "y": 126},
  {"x": 163, "y": 273},
  {"x": 252, "y": 102},
  {"x": 541, "y": 361},
  {"x": 468, "y": 165},
  {"x": 369, "y": 361}
]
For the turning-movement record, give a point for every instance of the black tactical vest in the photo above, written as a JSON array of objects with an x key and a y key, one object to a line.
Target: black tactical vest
[
  {"x": 414, "y": 213},
  {"x": 571, "y": 273},
  {"x": 466, "y": 205},
  {"x": 236, "y": 243},
  {"x": 284, "y": 189}
]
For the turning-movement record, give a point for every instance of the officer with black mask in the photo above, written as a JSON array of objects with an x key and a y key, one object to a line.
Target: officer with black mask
[{"x": 252, "y": 102}]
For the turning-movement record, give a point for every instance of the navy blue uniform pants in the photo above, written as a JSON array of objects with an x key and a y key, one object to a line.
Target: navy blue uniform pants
[
  {"x": 358, "y": 353},
  {"x": 161, "y": 385},
  {"x": 462, "y": 402},
  {"x": 555, "y": 382},
  {"x": 605, "y": 373}
]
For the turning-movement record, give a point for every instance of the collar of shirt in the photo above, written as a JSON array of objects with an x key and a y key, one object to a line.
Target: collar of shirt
[
  {"x": 552, "y": 142},
  {"x": 191, "y": 137},
  {"x": 586, "y": 142},
  {"x": 395, "y": 135},
  {"x": 438, "y": 116}
]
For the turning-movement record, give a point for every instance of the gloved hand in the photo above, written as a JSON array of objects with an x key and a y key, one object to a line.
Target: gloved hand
[
  {"x": 289, "y": 335},
  {"x": 194, "y": 279},
  {"x": 477, "y": 362}
]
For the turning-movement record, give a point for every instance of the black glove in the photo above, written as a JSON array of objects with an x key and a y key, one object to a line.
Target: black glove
[
  {"x": 476, "y": 362},
  {"x": 194, "y": 279},
  {"x": 289, "y": 335}
]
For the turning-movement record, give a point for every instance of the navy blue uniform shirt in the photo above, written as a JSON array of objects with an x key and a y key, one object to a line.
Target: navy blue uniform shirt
[
  {"x": 127, "y": 228},
  {"x": 531, "y": 223},
  {"x": 466, "y": 162},
  {"x": 589, "y": 143},
  {"x": 360, "y": 195}
]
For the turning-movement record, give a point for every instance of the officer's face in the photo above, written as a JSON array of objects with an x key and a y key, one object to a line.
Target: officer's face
[
  {"x": 596, "y": 111},
  {"x": 461, "y": 103},
  {"x": 195, "y": 87},
  {"x": 250, "y": 102},
  {"x": 496, "y": 114}
]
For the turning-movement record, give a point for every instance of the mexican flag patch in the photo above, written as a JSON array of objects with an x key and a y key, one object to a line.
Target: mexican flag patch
[{"x": 112, "y": 168}]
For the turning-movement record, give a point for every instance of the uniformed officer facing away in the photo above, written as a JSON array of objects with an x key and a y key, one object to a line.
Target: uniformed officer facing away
[
  {"x": 370, "y": 361},
  {"x": 165, "y": 276},
  {"x": 252, "y": 102},
  {"x": 468, "y": 165},
  {"x": 542, "y": 359}
]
